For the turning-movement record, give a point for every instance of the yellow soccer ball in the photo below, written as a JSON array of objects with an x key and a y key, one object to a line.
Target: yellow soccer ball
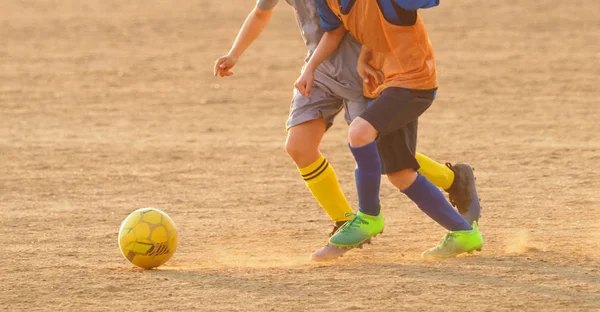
[{"x": 148, "y": 238}]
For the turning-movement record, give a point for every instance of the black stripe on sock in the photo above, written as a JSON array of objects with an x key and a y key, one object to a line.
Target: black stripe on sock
[
  {"x": 318, "y": 174},
  {"x": 318, "y": 168}
]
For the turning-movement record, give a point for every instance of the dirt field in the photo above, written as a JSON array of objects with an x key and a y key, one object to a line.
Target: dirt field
[{"x": 109, "y": 106}]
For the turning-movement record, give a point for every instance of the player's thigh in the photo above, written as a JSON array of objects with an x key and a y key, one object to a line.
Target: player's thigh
[
  {"x": 395, "y": 108},
  {"x": 397, "y": 148}
]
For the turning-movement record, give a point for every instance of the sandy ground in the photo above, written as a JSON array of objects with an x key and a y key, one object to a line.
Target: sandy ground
[{"x": 109, "y": 106}]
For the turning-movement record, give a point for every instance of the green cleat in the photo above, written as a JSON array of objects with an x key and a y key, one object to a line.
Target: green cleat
[
  {"x": 455, "y": 243},
  {"x": 357, "y": 231}
]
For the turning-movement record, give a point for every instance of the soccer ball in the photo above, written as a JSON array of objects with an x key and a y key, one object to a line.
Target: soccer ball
[{"x": 148, "y": 238}]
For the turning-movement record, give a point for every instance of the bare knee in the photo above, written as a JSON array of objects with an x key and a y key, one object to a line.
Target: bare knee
[
  {"x": 298, "y": 151},
  {"x": 302, "y": 143},
  {"x": 361, "y": 133},
  {"x": 402, "y": 179}
]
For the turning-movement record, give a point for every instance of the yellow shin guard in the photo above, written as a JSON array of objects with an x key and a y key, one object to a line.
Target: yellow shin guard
[
  {"x": 440, "y": 175},
  {"x": 324, "y": 186}
]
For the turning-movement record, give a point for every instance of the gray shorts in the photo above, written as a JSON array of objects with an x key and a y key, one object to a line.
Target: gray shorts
[{"x": 328, "y": 97}]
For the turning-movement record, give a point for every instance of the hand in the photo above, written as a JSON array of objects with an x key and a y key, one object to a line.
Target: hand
[
  {"x": 304, "y": 82},
  {"x": 224, "y": 64},
  {"x": 370, "y": 74}
]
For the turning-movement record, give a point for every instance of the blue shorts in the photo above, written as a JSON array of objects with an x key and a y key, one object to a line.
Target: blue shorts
[{"x": 394, "y": 114}]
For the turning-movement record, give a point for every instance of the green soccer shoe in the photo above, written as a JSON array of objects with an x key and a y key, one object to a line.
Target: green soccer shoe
[
  {"x": 455, "y": 243},
  {"x": 357, "y": 231}
]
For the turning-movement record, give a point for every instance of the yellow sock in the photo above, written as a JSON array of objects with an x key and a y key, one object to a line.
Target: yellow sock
[
  {"x": 438, "y": 174},
  {"x": 323, "y": 184}
]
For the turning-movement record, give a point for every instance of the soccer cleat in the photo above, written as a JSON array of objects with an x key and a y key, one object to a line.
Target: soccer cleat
[
  {"x": 336, "y": 227},
  {"x": 462, "y": 193},
  {"x": 357, "y": 231},
  {"x": 330, "y": 252},
  {"x": 456, "y": 242}
]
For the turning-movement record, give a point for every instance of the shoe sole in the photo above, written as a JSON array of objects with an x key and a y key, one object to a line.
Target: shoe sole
[
  {"x": 454, "y": 255},
  {"x": 476, "y": 249},
  {"x": 340, "y": 252},
  {"x": 358, "y": 245}
]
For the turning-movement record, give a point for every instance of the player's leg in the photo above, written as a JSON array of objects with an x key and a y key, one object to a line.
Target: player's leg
[
  {"x": 395, "y": 113},
  {"x": 439, "y": 174},
  {"x": 368, "y": 222},
  {"x": 302, "y": 145},
  {"x": 459, "y": 239},
  {"x": 387, "y": 115},
  {"x": 458, "y": 180},
  {"x": 400, "y": 166},
  {"x": 309, "y": 119},
  {"x": 353, "y": 108}
]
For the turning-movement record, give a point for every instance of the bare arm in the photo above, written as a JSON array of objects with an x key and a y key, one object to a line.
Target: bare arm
[
  {"x": 255, "y": 23},
  {"x": 365, "y": 54},
  {"x": 365, "y": 71},
  {"x": 327, "y": 45}
]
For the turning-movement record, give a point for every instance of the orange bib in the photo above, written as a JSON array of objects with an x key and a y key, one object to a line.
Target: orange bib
[{"x": 403, "y": 53}]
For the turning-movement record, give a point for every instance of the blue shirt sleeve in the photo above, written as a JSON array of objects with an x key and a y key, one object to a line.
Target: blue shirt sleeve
[
  {"x": 413, "y": 5},
  {"x": 329, "y": 21}
]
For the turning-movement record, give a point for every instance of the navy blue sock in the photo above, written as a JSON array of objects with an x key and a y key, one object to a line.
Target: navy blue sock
[
  {"x": 432, "y": 202},
  {"x": 368, "y": 177}
]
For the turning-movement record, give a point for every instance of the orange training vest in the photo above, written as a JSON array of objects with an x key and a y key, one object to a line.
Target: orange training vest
[{"x": 403, "y": 53}]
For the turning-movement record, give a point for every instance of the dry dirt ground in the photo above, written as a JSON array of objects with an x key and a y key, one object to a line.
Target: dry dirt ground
[{"x": 109, "y": 106}]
